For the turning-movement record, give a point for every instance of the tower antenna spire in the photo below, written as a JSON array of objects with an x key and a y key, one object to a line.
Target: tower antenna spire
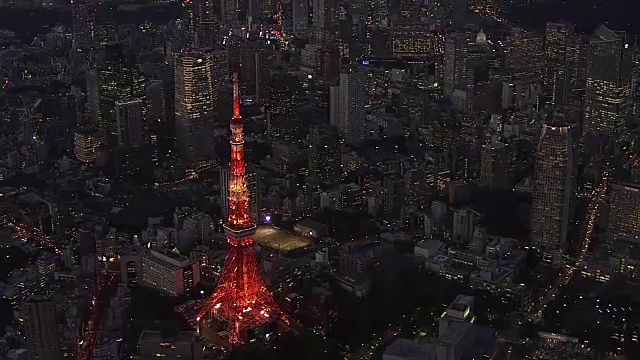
[{"x": 236, "y": 97}]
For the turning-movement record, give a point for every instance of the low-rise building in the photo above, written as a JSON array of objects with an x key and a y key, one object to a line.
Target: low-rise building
[{"x": 170, "y": 272}]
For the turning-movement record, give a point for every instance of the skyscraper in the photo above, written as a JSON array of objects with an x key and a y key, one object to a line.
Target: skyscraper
[
  {"x": 83, "y": 21},
  {"x": 156, "y": 121},
  {"x": 352, "y": 101},
  {"x": 129, "y": 120},
  {"x": 300, "y": 14},
  {"x": 624, "y": 213},
  {"x": 455, "y": 63},
  {"x": 608, "y": 87},
  {"x": 221, "y": 78},
  {"x": 552, "y": 190},
  {"x": 324, "y": 14},
  {"x": 205, "y": 25},
  {"x": 229, "y": 12},
  {"x": 557, "y": 39},
  {"x": 524, "y": 55},
  {"x": 117, "y": 79},
  {"x": 194, "y": 106},
  {"x": 41, "y": 329},
  {"x": 493, "y": 170},
  {"x": 392, "y": 195}
]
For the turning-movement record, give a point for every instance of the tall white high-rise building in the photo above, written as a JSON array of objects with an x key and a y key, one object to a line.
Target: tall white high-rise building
[
  {"x": 552, "y": 191},
  {"x": 194, "y": 106},
  {"x": 352, "y": 100}
]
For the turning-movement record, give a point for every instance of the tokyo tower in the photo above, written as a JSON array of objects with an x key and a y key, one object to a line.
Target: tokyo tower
[{"x": 241, "y": 299}]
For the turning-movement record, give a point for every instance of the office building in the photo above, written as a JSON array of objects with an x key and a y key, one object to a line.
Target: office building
[
  {"x": 464, "y": 221},
  {"x": 356, "y": 259},
  {"x": 117, "y": 79},
  {"x": 393, "y": 195},
  {"x": 169, "y": 272},
  {"x": 300, "y": 13},
  {"x": 608, "y": 86},
  {"x": 524, "y": 55},
  {"x": 194, "y": 106},
  {"x": 455, "y": 63},
  {"x": 281, "y": 102},
  {"x": 204, "y": 24},
  {"x": 460, "y": 310},
  {"x": 41, "y": 329},
  {"x": 156, "y": 121},
  {"x": 334, "y": 105},
  {"x": 322, "y": 164},
  {"x": 221, "y": 79},
  {"x": 131, "y": 266},
  {"x": 324, "y": 20},
  {"x": 82, "y": 21},
  {"x": 129, "y": 121},
  {"x": 184, "y": 345},
  {"x": 229, "y": 11},
  {"x": 416, "y": 188},
  {"x": 493, "y": 167},
  {"x": 351, "y": 105},
  {"x": 197, "y": 223},
  {"x": 558, "y": 37},
  {"x": 85, "y": 145},
  {"x": 106, "y": 348},
  {"x": 46, "y": 264},
  {"x": 624, "y": 213},
  {"x": 552, "y": 190},
  {"x": 414, "y": 40}
]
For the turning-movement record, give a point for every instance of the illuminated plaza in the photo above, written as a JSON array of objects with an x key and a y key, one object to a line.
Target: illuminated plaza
[{"x": 279, "y": 240}]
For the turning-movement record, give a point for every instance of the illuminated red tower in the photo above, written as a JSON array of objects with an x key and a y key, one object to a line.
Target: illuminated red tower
[{"x": 241, "y": 298}]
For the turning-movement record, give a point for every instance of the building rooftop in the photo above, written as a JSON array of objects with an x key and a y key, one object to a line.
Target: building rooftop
[
  {"x": 312, "y": 224},
  {"x": 158, "y": 336},
  {"x": 169, "y": 259},
  {"x": 411, "y": 350},
  {"x": 462, "y": 302},
  {"x": 455, "y": 332}
]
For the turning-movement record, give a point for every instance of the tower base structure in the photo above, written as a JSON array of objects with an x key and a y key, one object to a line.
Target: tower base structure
[
  {"x": 216, "y": 331},
  {"x": 241, "y": 305}
]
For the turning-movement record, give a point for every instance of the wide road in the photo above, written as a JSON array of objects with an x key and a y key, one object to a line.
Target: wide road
[
  {"x": 190, "y": 175},
  {"x": 23, "y": 231},
  {"x": 98, "y": 305}
]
